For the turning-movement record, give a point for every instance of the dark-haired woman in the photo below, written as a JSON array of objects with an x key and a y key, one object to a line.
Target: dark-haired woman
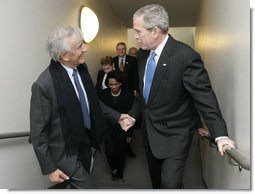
[{"x": 120, "y": 100}]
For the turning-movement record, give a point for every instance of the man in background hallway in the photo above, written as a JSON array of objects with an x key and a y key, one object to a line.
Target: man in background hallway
[
  {"x": 132, "y": 51},
  {"x": 126, "y": 65}
]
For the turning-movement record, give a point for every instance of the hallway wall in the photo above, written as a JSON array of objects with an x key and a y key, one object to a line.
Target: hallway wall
[
  {"x": 223, "y": 40},
  {"x": 184, "y": 34},
  {"x": 25, "y": 26}
]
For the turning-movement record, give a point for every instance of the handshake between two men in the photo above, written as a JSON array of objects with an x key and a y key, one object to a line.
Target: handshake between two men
[
  {"x": 223, "y": 143},
  {"x": 126, "y": 121}
]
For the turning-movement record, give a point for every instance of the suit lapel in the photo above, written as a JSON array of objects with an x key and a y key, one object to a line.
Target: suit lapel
[
  {"x": 163, "y": 64},
  {"x": 141, "y": 69}
]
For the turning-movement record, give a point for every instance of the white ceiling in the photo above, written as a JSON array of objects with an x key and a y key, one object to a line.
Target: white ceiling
[{"x": 182, "y": 13}]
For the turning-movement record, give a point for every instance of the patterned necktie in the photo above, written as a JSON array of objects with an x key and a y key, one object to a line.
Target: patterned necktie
[
  {"x": 151, "y": 66},
  {"x": 84, "y": 106},
  {"x": 122, "y": 65}
]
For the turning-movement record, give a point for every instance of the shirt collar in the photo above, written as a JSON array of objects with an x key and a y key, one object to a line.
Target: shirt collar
[
  {"x": 124, "y": 57},
  {"x": 159, "y": 49},
  {"x": 68, "y": 69}
]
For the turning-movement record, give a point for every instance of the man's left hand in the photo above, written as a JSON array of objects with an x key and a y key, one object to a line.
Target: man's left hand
[{"x": 224, "y": 144}]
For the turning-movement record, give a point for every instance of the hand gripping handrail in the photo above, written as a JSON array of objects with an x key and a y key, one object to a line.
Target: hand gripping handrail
[
  {"x": 241, "y": 160},
  {"x": 236, "y": 155}
]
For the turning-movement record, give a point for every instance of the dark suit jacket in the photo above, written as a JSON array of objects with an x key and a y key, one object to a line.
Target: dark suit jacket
[
  {"x": 123, "y": 105},
  {"x": 180, "y": 80},
  {"x": 100, "y": 77},
  {"x": 45, "y": 127},
  {"x": 130, "y": 76}
]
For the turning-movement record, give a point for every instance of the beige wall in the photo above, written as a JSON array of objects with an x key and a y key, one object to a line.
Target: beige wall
[
  {"x": 111, "y": 31},
  {"x": 223, "y": 40},
  {"x": 25, "y": 26},
  {"x": 184, "y": 34}
]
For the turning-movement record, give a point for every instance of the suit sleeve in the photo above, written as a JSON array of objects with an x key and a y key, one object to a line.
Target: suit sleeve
[
  {"x": 109, "y": 113},
  {"x": 135, "y": 111},
  {"x": 196, "y": 81},
  {"x": 98, "y": 87},
  {"x": 135, "y": 73},
  {"x": 40, "y": 115}
]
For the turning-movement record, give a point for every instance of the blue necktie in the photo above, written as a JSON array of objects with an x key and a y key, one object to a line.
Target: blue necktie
[
  {"x": 151, "y": 66},
  {"x": 86, "y": 116}
]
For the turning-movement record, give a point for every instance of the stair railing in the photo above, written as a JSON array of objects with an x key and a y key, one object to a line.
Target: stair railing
[
  {"x": 14, "y": 135},
  {"x": 241, "y": 160}
]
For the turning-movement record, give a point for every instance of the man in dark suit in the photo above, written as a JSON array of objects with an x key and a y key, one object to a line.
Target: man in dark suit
[
  {"x": 132, "y": 51},
  {"x": 168, "y": 96},
  {"x": 127, "y": 66},
  {"x": 66, "y": 119}
]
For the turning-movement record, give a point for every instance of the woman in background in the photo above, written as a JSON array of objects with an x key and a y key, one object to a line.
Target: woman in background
[
  {"x": 120, "y": 100},
  {"x": 107, "y": 66}
]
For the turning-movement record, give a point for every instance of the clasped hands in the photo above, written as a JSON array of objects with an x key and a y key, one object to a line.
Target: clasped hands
[
  {"x": 126, "y": 121},
  {"x": 223, "y": 144}
]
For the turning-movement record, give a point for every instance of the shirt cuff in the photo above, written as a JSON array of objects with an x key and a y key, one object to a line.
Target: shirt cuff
[{"x": 221, "y": 137}]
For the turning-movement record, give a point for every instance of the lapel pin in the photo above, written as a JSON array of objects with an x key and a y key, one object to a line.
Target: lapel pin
[{"x": 164, "y": 65}]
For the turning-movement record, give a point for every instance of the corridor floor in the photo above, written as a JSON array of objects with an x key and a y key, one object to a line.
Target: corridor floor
[{"x": 136, "y": 170}]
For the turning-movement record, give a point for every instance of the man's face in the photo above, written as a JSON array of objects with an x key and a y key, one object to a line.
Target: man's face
[
  {"x": 132, "y": 52},
  {"x": 121, "y": 50},
  {"x": 144, "y": 37},
  {"x": 76, "y": 55}
]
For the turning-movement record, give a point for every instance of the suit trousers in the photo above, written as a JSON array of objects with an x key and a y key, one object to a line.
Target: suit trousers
[
  {"x": 116, "y": 155},
  {"x": 81, "y": 178},
  {"x": 166, "y": 173}
]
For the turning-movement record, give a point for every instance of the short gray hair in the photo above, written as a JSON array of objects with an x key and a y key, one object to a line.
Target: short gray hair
[
  {"x": 154, "y": 15},
  {"x": 57, "y": 44}
]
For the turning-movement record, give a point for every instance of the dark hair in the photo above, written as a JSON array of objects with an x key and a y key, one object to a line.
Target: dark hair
[
  {"x": 114, "y": 75},
  {"x": 107, "y": 60},
  {"x": 121, "y": 43}
]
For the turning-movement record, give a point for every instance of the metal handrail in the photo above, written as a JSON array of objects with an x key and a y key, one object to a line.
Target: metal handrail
[
  {"x": 14, "y": 135},
  {"x": 236, "y": 155},
  {"x": 241, "y": 160}
]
